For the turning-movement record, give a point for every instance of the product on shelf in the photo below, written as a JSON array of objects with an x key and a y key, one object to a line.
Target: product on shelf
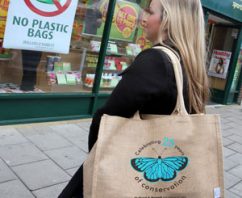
[
  {"x": 114, "y": 63},
  {"x": 111, "y": 48},
  {"x": 4, "y": 53},
  {"x": 109, "y": 63},
  {"x": 106, "y": 80},
  {"x": 62, "y": 66},
  {"x": 109, "y": 80},
  {"x": 89, "y": 80},
  {"x": 3, "y": 17},
  {"x": 61, "y": 78},
  {"x": 115, "y": 80},
  {"x": 124, "y": 65},
  {"x": 118, "y": 64},
  {"x": 58, "y": 66},
  {"x": 133, "y": 49},
  {"x": 70, "y": 78},
  {"x": 95, "y": 46},
  {"x": 77, "y": 29},
  {"x": 129, "y": 51},
  {"x": 50, "y": 62},
  {"x": 66, "y": 66},
  {"x": 51, "y": 78},
  {"x": 91, "y": 60},
  {"x": 78, "y": 77}
]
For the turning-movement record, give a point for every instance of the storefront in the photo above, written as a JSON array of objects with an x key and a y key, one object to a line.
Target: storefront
[
  {"x": 43, "y": 85},
  {"x": 224, "y": 49}
]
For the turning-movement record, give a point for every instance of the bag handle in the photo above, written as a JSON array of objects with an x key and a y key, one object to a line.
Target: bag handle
[{"x": 180, "y": 108}]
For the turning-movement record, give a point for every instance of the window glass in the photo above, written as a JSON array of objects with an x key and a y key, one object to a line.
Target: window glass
[
  {"x": 25, "y": 71},
  {"x": 126, "y": 41}
]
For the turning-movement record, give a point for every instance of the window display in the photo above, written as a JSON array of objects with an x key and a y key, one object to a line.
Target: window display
[
  {"x": 219, "y": 54},
  {"x": 127, "y": 40},
  {"x": 24, "y": 71}
]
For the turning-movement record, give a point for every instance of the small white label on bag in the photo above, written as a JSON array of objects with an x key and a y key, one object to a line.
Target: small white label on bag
[{"x": 217, "y": 192}]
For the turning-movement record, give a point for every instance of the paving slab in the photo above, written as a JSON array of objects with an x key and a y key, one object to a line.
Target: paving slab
[
  {"x": 75, "y": 134},
  {"x": 228, "y": 164},
  {"x": 230, "y": 180},
  {"x": 228, "y": 152},
  {"x": 229, "y": 194},
  {"x": 46, "y": 139},
  {"x": 80, "y": 144},
  {"x": 68, "y": 157},
  {"x": 72, "y": 171},
  {"x": 235, "y": 147},
  {"x": 41, "y": 174},
  {"x": 236, "y": 171},
  {"x": 71, "y": 131},
  {"x": 236, "y": 158},
  {"x": 227, "y": 142},
  {"x": 228, "y": 133},
  {"x": 237, "y": 189},
  {"x": 20, "y": 154},
  {"x": 10, "y": 136},
  {"x": 50, "y": 192},
  {"x": 6, "y": 173},
  {"x": 14, "y": 189},
  {"x": 64, "y": 144}
]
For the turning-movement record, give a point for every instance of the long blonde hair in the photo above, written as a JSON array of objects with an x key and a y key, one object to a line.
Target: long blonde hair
[{"x": 183, "y": 21}]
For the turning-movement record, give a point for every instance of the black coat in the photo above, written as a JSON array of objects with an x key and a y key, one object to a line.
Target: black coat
[{"x": 149, "y": 86}]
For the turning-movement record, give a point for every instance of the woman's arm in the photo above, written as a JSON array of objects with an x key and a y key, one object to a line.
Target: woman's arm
[{"x": 147, "y": 77}]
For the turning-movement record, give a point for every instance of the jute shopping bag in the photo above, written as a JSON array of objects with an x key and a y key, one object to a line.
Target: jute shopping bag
[{"x": 174, "y": 156}]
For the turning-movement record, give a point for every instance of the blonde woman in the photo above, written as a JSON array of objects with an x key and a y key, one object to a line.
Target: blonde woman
[{"x": 149, "y": 85}]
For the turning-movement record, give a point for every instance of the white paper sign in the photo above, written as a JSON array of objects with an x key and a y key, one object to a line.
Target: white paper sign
[
  {"x": 41, "y": 25},
  {"x": 219, "y": 64}
]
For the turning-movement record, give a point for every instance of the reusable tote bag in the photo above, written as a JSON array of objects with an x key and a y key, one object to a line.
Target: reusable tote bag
[{"x": 174, "y": 156}]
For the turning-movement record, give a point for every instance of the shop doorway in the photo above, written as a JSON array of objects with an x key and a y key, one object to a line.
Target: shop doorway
[{"x": 222, "y": 36}]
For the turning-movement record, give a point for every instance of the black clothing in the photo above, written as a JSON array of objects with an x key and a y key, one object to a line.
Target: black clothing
[
  {"x": 149, "y": 86},
  {"x": 74, "y": 187},
  {"x": 91, "y": 21},
  {"x": 30, "y": 61}
]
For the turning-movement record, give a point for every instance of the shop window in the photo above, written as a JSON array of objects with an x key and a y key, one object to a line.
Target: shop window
[
  {"x": 221, "y": 37},
  {"x": 24, "y": 71},
  {"x": 127, "y": 40}
]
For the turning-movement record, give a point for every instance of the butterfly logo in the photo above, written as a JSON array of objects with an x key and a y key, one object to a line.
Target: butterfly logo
[{"x": 164, "y": 169}]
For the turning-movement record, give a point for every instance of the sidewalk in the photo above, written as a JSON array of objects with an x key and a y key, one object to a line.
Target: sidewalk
[{"x": 37, "y": 160}]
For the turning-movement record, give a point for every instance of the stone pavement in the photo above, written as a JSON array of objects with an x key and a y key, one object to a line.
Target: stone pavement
[
  {"x": 37, "y": 160},
  {"x": 231, "y": 125}
]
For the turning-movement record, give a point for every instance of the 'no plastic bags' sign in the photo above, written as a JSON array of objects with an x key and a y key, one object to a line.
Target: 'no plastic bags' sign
[{"x": 41, "y": 25}]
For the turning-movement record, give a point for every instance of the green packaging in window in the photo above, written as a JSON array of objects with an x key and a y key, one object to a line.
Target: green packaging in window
[
  {"x": 58, "y": 66},
  {"x": 61, "y": 78},
  {"x": 66, "y": 67},
  {"x": 71, "y": 78},
  {"x": 124, "y": 21}
]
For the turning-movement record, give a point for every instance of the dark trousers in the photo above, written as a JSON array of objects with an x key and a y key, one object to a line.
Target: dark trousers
[
  {"x": 74, "y": 188},
  {"x": 30, "y": 61}
]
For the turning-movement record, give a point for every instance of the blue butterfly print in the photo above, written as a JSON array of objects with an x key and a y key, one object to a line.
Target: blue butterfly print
[{"x": 155, "y": 169}]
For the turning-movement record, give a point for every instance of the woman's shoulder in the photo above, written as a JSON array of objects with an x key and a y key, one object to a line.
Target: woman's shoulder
[
  {"x": 150, "y": 60},
  {"x": 153, "y": 53}
]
